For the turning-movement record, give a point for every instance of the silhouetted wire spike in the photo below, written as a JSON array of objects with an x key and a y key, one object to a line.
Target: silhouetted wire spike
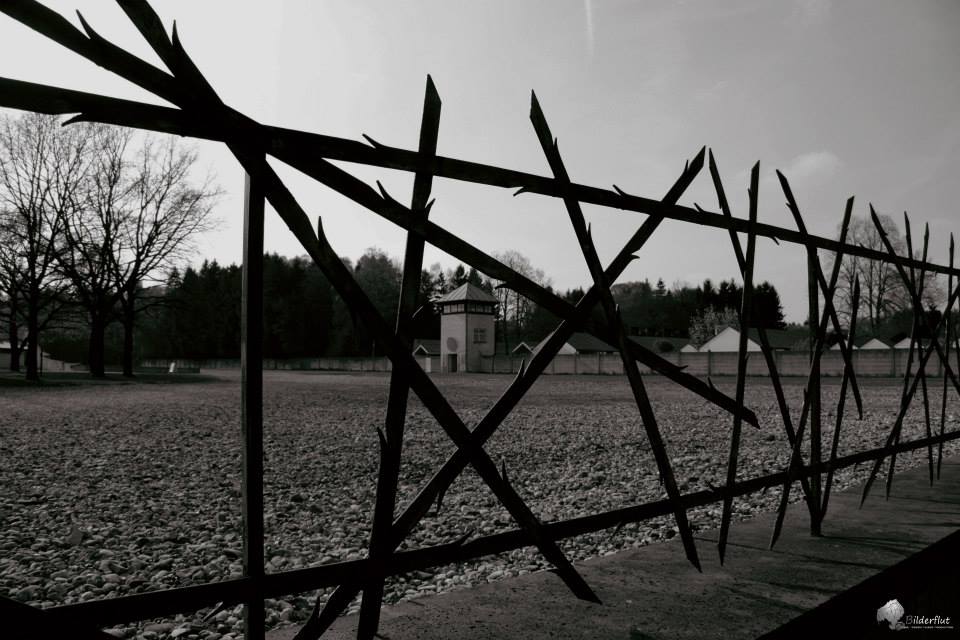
[
  {"x": 462, "y": 540},
  {"x": 697, "y": 163},
  {"x": 503, "y": 471},
  {"x": 373, "y": 143},
  {"x": 698, "y": 208},
  {"x": 184, "y": 66},
  {"x": 80, "y": 117},
  {"x": 440, "y": 497},
  {"x": 947, "y": 340},
  {"x": 617, "y": 530},
  {"x": 713, "y": 489},
  {"x": 520, "y": 190},
  {"x": 523, "y": 368},
  {"x": 710, "y": 382},
  {"x": 876, "y": 222},
  {"x": 383, "y": 441},
  {"x": 386, "y": 196},
  {"x": 93, "y": 35},
  {"x": 536, "y": 116},
  {"x": 429, "y": 207},
  {"x": 432, "y": 96},
  {"x": 147, "y": 22},
  {"x": 220, "y": 606},
  {"x": 622, "y": 192}
]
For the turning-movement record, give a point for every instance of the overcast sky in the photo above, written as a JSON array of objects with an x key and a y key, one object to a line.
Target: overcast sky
[{"x": 846, "y": 98}]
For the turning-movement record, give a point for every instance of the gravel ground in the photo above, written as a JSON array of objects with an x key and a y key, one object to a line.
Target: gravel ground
[{"x": 108, "y": 490}]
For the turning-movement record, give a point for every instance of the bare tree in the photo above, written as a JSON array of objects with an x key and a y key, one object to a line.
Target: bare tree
[
  {"x": 513, "y": 307},
  {"x": 41, "y": 171},
  {"x": 705, "y": 325},
  {"x": 165, "y": 211},
  {"x": 91, "y": 233},
  {"x": 882, "y": 292},
  {"x": 10, "y": 297},
  {"x": 137, "y": 217}
]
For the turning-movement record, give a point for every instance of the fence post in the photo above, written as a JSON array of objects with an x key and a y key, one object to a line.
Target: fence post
[
  {"x": 814, "y": 390},
  {"x": 251, "y": 390}
]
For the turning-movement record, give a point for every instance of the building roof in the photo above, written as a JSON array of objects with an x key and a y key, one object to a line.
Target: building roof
[
  {"x": 467, "y": 292},
  {"x": 661, "y": 344},
  {"x": 586, "y": 343},
  {"x": 779, "y": 339},
  {"x": 427, "y": 346},
  {"x": 782, "y": 338},
  {"x": 523, "y": 347}
]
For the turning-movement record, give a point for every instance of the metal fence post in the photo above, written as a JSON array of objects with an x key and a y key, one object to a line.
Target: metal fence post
[
  {"x": 251, "y": 385},
  {"x": 814, "y": 390}
]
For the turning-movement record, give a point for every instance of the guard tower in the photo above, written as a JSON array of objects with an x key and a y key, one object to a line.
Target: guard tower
[{"x": 466, "y": 328}]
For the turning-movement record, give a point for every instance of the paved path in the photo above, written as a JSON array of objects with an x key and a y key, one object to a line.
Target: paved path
[{"x": 653, "y": 593}]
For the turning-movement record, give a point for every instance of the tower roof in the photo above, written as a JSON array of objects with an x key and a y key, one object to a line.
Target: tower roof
[{"x": 468, "y": 292}]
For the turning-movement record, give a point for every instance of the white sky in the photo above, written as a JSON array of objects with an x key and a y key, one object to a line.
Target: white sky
[{"x": 847, "y": 98}]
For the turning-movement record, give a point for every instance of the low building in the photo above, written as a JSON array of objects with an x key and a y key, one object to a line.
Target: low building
[
  {"x": 728, "y": 340},
  {"x": 581, "y": 343},
  {"x": 869, "y": 343},
  {"x": 426, "y": 347}
]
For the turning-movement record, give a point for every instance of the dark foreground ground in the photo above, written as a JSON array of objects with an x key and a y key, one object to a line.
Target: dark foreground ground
[
  {"x": 117, "y": 488},
  {"x": 905, "y": 549}
]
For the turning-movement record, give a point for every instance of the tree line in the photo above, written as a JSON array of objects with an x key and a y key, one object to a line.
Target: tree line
[
  {"x": 196, "y": 314},
  {"x": 97, "y": 221},
  {"x": 91, "y": 216}
]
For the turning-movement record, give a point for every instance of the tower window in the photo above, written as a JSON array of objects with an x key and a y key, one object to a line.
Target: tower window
[{"x": 479, "y": 336}]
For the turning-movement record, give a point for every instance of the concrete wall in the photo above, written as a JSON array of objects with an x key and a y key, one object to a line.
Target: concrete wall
[
  {"x": 291, "y": 364},
  {"x": 891, "y": 362}
]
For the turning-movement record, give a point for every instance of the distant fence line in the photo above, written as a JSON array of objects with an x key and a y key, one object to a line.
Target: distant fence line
[{"x": 877, "y": 363}]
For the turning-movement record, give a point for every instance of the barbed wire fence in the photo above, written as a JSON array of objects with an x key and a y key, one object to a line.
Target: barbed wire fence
[{"x": 199, "y": 112}]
